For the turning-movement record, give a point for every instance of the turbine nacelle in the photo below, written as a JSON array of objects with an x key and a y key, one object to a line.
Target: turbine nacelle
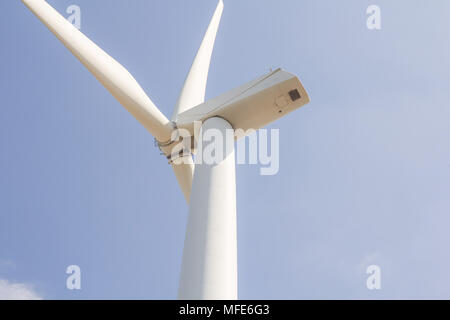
[
  {"x": 252, "y": 105},
  {"x": 247, "y": 108}
]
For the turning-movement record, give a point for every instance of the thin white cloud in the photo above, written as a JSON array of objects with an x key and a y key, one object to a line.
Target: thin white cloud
[{"x": 17, "y": 291}]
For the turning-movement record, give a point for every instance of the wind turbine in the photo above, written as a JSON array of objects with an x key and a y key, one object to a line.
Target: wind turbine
[{"x": 209, "y": 266}]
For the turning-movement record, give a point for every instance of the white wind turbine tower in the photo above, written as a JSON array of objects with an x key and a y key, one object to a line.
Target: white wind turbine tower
[{"x": 209, "y": 267}]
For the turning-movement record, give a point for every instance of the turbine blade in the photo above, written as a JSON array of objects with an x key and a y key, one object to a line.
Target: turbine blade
[
  {"x": 112, "y": 75},
  {"x": 184, "y": 173},
  {"x": 193, "y": 92}
]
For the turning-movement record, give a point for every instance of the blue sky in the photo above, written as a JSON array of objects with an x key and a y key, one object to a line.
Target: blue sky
[{"x": 364, "y": 168}]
